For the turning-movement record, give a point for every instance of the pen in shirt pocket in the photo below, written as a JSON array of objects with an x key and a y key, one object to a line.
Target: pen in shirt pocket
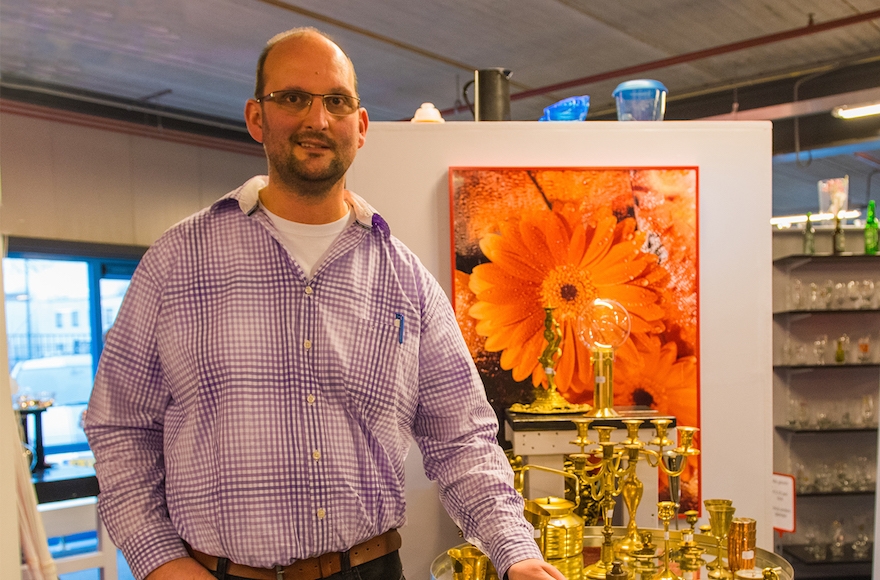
[{"x": 398, "y": 322}]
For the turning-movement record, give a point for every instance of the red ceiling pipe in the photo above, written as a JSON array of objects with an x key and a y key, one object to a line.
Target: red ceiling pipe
[{"x": 697, "y": 55}]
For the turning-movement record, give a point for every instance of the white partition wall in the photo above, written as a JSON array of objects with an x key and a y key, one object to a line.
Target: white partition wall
[{"x": 402, "y": 171}]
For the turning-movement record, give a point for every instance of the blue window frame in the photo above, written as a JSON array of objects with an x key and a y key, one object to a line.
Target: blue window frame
[{"x": 42, "y": 278}]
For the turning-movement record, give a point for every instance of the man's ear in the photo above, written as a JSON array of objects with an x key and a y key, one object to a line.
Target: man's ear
[
  {"x": 363, "y": 123},
  {"x": 253, "y": 117}
]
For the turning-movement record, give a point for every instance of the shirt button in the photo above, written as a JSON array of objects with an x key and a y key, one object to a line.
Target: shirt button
[
  {"x": 309, "y": 291},
  {"x": 316, "y": 455},
  {"x": 321, "y": 513},
  {"x": 311, "y": 399},
  {"x": 307, "y": 344}
]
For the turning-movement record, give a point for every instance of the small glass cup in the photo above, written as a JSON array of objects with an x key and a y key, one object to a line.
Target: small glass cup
[
  {"x": 819, "y": 348},
  {"x": 796, "y": 294},
  {"x": 867, "y": 413},
  {"x": 817, "y": 549},
  {"x": 854, "y": 293},
  {"x": 864, "y": 349},
  {"x": 803, "y": 479},
  {"x": 866, "y": 290},
  {"x": 839, "y": 295},
  {"x": 814, "y": 298},
  {"x": 838, "y": 540},
  {"x": 824, "y": 479},
  {"x": 826, "y": 294},
  {"x": 824, "y": 420}
]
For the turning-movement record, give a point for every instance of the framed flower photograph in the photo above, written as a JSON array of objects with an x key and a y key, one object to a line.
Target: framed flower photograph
[{"x": 528, "y": 239}]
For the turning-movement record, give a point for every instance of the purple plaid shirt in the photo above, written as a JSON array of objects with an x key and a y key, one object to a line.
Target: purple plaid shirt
[{"x": 265, "y": 417}]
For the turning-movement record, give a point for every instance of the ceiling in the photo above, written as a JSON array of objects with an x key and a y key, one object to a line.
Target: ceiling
[{"x": 193, "y": 62}]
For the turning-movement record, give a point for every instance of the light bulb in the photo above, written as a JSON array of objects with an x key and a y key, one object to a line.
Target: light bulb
[{"x": 606, "y": 324}]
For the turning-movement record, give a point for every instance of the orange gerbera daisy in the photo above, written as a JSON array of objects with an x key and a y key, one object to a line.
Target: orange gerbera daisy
[
  {"x": 658, "y": 378},
  {"x": 553, "y": 259}
]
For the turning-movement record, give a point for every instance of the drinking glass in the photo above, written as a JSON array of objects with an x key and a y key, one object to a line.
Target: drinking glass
[
  {"x": 864, "y": 349},
  {"x": 824, "y": 479},
  {"x": 853, "y": 292},
  {"x": 814, "y": 298},
  {"x": 839, "y": 295},
  {"x": 819, "y": 348},
  {"x": 803, "y": 416},
  {"x": 720, "y": 516},
  {"x": 837, "y": 540},
  {"x": 803, "y": 479},
  {"x": 867, "y": 291},
  {"x": 826, "y": 294},
  {"x": 863, "y": 478},
  {"x": 845, "y": 477},
  {"x": 868, "y": 411},
  {"x": 796, "y": 294}
]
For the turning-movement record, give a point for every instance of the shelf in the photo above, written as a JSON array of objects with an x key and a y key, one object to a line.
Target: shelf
[
  {"x": 788, "y": 429},
  {"x": 868, "y": 492},
  {"x": 794, "y": 260},
  {"x": 800, "y": 552},
  {"x": 869, "y": 365},
  {"x": 823, "y": 311}
]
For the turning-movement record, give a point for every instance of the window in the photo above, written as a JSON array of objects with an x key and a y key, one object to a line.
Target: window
[{"x": 44, "y": 282}]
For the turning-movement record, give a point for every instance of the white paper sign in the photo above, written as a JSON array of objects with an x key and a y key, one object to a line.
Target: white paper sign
[{"x": 782, "y": 502}]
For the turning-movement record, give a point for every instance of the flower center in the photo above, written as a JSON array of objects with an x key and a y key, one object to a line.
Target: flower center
[{"x": 568, "y": 290}]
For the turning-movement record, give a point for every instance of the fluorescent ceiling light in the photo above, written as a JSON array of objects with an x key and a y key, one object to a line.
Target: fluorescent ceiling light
[
  {"x": 855, "y": 111},
  {"x": 784, "y": 222}
]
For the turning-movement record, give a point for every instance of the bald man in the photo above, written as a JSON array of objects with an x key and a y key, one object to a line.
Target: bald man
[{"x": 276, "y": 354}]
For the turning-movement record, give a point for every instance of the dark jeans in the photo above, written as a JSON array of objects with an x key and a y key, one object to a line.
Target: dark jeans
[{"x": 388, "y": 567}]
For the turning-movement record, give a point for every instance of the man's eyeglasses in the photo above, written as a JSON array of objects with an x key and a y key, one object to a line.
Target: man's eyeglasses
[{"x": 299, "y": 101}]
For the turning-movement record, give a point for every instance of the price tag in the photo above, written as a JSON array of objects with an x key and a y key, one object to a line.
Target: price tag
[{"x": 782, "y": 502}]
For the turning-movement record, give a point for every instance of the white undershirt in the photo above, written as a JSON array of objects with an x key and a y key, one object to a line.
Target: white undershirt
[{"x": 308, "y": 243}]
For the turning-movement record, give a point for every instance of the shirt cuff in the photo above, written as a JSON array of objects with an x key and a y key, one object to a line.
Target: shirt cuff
[
  {"x": 150, "y": 548},
  {"x": 506, "y": 553}
]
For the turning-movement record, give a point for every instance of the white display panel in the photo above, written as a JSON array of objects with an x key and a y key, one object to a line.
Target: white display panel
[{"x": 403, "y": 171}]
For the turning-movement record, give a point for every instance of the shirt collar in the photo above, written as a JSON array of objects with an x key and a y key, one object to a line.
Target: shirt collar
[{"x": 248, "y": 197}]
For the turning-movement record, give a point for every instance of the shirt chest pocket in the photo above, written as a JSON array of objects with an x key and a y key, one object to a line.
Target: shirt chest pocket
[{"x": 381, "y": 376}]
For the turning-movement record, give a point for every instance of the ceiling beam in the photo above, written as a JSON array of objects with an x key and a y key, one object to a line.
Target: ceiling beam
[
  {"x": 807, "y": 30},
  {"x": 800, "y": 108}
]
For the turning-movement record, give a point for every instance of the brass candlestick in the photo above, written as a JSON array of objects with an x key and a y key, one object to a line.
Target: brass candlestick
[
  {"x": 690, "y": 554},
  {"x": 549, "y": 401},
  {"x": 666, "y": 511},
  {"x": 610, "y": 470},
  {"x": 604, "y": 328}
]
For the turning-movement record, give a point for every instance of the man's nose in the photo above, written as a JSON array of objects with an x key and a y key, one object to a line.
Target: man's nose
[{"x": 316, "y": 116}]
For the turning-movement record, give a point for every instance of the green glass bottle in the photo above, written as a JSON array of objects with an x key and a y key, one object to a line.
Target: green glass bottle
[
  {"x": 809, "y": 236},
  {"x": 871, "y": 229},
  {"x": 838, "y": 239}
]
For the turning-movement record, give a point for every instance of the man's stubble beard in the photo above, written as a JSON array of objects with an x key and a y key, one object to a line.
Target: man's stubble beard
[{"x": 297, "y": 176}]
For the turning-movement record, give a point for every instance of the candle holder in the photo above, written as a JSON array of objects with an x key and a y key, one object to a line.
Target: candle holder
[
  {"x": 604, "y": 329},
  {"x": 666, "y": 511},
  {"x": 548, "y": 401}
]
